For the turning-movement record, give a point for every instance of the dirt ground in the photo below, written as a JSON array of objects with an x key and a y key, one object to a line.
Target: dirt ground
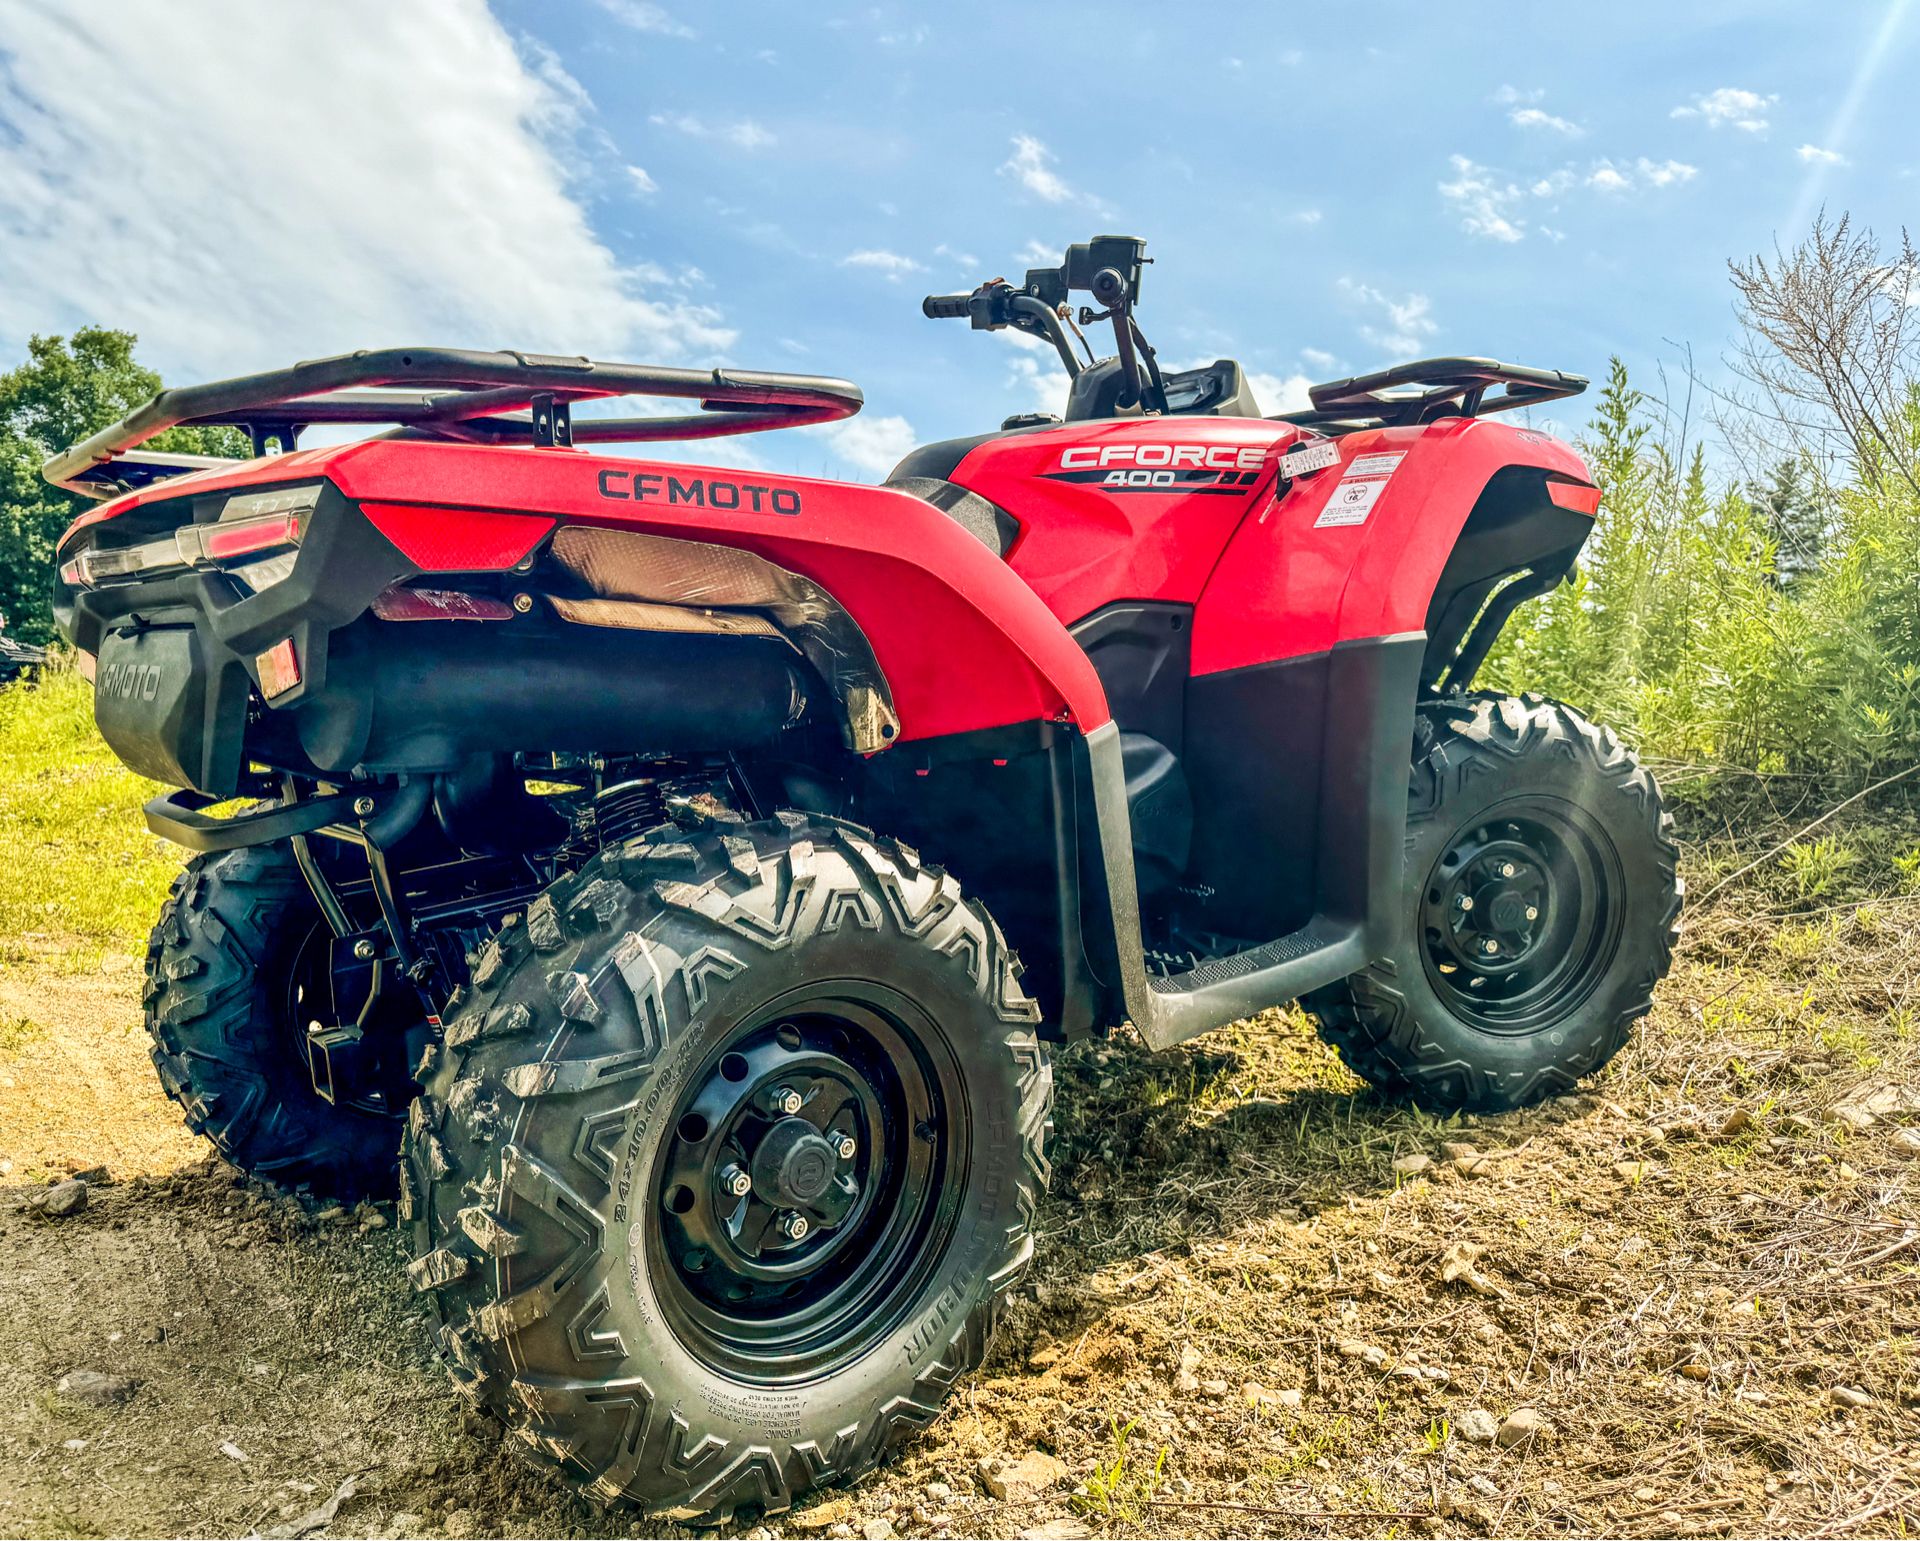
[{"x": 1702, "y": 1279}]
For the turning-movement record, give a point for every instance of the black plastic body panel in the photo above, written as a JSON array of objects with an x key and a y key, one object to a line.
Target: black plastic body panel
[
  {"x": 937, "y": 461},
  {"x": 1366, "y": 732},
  {"x": 1142, "y": 651},
  {"x": 343, "y": 563},
  {"x": 988, "y": 523},
  {"x": 1002, "y": 810},
  {"x": 153, "y": 688},
  {"x": 1514, "y": 526},
  {"x": 1256, "y": 745}
]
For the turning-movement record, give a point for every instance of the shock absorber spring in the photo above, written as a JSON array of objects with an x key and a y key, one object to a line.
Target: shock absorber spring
[{"x": 627, "y": 809}]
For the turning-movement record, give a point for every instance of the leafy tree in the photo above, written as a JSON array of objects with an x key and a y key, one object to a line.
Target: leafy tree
[{"x": 67, "y": 389}]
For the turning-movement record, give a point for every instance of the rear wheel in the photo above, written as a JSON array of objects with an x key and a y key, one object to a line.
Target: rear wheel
[
  {"x": 728, "y": 1162},
  {"x": 236, "y": 968},
  {"x": 1544, "y": 901}
]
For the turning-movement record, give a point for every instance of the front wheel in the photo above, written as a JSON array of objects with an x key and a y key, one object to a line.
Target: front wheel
[
  {"x": 1543, "y": 901},
  {"x": 728, "y": 1163}
]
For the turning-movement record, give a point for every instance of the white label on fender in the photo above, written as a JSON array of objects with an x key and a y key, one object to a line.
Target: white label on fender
[
  {"x": 1353, "y": 498},
  {"x": 1376, "y": 465},
  {"x": 1350, "y": 503},
  {"x": 1310, "y": 458}
]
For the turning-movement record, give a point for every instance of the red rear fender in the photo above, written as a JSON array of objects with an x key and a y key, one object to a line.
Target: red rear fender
[{"x": 963, "y": 643}]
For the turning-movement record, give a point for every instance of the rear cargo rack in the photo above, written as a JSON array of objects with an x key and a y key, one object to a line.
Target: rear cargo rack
[
  {"x": 446, "y": 393},
  {"x": 1426, "y": 389}
]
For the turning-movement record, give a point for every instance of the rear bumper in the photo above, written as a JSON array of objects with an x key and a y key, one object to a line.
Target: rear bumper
[{"x": 180, "y": 695}]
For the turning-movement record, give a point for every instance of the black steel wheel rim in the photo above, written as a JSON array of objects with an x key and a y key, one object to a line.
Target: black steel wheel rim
[
  {"x": 1520, "y": 917},
  {"x": 318, "y": 989},
  {"x": 808, "y": 1182}
]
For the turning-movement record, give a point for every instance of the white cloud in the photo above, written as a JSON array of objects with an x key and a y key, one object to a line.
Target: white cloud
[
  {"x": 645, "y": 17},
  {"x": 1305, "y": 216},
  {"x": 744, "y": 135},
  {"x": 1408, "y": 322},
  {"x": 1629, "y": 177},
  {"x": 1037, "y": 384},
  {"x": 1730, "y": 106},
  {"x": 642, "y": 183},
  {"x": 965, "y": 259},
  {"x": 1037, "y": 254},
  {"x": 1318, "y": 357},
  {"x": 890, "y": 263},
  {"x": 1664, "y": 173},
  {"x": 1492, "y": 205},
  {"x": 1535, "y": 117},
  {"x": 1508, "y": 96},
  {"x": 1485, "y": 203},
  {"x": 1814, "y": 154},
  {"x": 874, "y": 445},
  {"x": 1277, "y": 393},
  {"x": 1030, "y": 166},
  {"x": 436, "y": 208}
]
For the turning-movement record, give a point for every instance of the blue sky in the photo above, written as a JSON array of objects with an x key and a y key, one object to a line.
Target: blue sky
[{"x": 1326, "y": 189}]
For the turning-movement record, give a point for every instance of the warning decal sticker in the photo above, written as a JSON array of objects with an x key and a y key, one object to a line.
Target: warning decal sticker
[{"x": 1353, "y": 498}]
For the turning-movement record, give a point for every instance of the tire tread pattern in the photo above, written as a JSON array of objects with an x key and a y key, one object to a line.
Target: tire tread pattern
[
  {"x": 1368, "y": 1016},
  {"x": 722, "y": 895},
  {"x": 208, "y": 1005}
]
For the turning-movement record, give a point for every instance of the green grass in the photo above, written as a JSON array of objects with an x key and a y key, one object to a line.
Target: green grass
[
  {"x": 79, "y": 872},
  {"x": 1123, "y": 1487}
]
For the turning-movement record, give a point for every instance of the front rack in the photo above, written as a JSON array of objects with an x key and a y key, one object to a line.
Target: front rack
[
  {"x": 446, "y": 393},
  {"x": 1426, "y": 389}
]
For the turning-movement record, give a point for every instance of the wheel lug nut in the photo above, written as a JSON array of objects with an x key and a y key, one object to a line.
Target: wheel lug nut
[
  {"x": 1507, "y": 869},
  {"x": 781, "y": 1099},
  {"x": 794, "y": 1227},
  {"x": 735, "y": 1181},
  {"x": 1465, "y": 901},
  {"x": 1533, "y": 912},
  {"x": 843, "y": 1146},
  {"x": 1489, "y": 946}
]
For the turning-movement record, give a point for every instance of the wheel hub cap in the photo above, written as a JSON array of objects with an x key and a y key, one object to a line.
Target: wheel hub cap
[{"x": 795, "y": 1166}]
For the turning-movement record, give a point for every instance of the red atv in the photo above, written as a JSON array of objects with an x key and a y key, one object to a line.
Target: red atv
[{"x": 686, "y": 869}]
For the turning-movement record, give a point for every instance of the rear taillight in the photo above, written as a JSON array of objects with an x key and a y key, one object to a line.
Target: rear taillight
[
  {"x": 225, "y": 542},
  {"x": 255, "y": 539}
]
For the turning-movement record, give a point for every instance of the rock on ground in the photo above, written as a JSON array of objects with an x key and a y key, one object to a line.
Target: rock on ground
[
  {"x": 1522, "y": 1423},
  {"x": 822, "y": 1516},
  {"x": 62, "y": 1199},
  {"x": 1023, "y": 1480},
  {"x": 95, "y": 1388}
]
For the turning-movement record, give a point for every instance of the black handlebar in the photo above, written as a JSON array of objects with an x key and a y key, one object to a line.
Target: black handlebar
[{"x": 945, "y": 307}]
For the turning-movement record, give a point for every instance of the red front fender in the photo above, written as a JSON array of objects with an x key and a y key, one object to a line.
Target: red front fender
[{"x": 1296, "y": 580}]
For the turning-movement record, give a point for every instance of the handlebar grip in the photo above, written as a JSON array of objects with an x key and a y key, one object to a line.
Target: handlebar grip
[{"x": 945, "y": 307}]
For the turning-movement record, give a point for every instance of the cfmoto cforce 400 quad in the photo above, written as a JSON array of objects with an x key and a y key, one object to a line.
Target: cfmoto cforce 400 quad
[{"x": 686, "y": 870}]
